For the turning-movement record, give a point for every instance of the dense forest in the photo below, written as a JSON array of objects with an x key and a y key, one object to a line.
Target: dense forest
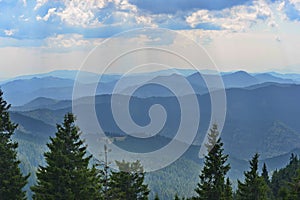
[{"x": 69, "y": 172}]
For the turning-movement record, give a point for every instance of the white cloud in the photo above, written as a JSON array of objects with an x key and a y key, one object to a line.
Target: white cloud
[
  {"x": 130, "y": 13},
  {"x": 39, "y": 3},
  {"x": 71, "y": 41},
  {"x": 81, "y": 13},
  {"x": 125, "y": 6},
  {"x": 296, "y": 3},
  {"x": 50, "y": 12},
  {"x": 10, "y": 32},
  {"x": 86, "y": 13},
  {"x": 237, "y": 18}
]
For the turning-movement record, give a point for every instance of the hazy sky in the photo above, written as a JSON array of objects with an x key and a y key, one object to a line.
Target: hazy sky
[{"x": 44, "y": 35}]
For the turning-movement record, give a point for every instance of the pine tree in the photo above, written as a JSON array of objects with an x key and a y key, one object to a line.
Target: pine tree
[
  {"x": 228, "y": 194},
  {"x": 254, "y": 186},
  {"x": 67, "y": 175},
  {"x": 265, "y": 174},
  {"x": 104, "y": 172},
  {"x": 176, "y": 197},
  {"x": 12, "y": 181},
  {"x": 128, "y": 182},
  {"x": 265, "y": 177},
  {"x": 156, "y": 197},
  {"x": 212, "y": 184}
]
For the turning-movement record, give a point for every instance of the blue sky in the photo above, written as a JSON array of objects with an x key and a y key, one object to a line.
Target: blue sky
[{"x": 44, "y": 35}]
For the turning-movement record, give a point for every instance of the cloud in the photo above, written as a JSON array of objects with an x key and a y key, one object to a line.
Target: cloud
[
  {"x": 95, "y": 13},
  {"x": 237, "y": 18},
  {"x": 73, "y": 41},
  {"x": 40, "y": 3},
  {"x": 81, "y": 13},
  {"x": 10, "y": 32},
  {"x": 50, "y": 12},
  {"x": 43, "y": 19}
]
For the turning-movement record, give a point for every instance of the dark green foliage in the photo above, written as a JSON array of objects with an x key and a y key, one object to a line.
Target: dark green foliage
[
  {"x": 166, "y": 185},
  {"x": 265, "y": 174},
  {"x": 228, "y": 194},
  {"x": 12, "y": 181},
  {"x": 254, "y": 186},
  {"x": 294, "y": 187},
  {"x": 156, "y": 197},
  {"x": 212, "y": 185},
  {"x": 66, "y": 174},
  {"x": 266, "y": 178},
  {"x": 128, "y": 182},
  {"x": 104, "y": 173},
  {"x": 281, "y": 178},
  {"x": 285, "y": 183}
]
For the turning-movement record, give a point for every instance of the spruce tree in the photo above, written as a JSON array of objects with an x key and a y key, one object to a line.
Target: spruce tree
[
  {"x": 212, "y": 185},
  {"x": 254, "y": 186},
  {"x": 12, "y": 181},
  {"x": 265, "y": 174},
  {"x": 156, "y": 197},
  {"x": 228, "y": 194},
  {"x": 128, "y": 182},
  {"x": 67, "y": 174}
]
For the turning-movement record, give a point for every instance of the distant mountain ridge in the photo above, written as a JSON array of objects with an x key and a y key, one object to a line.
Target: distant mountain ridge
[
  {"x": 59, "y": 84},
  {"x": 269, "y": 113}
]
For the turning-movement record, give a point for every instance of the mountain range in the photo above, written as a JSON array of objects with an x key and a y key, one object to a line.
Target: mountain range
[
  {"x": 262, "y": 116},
  {"x": 58, "y": 85}
]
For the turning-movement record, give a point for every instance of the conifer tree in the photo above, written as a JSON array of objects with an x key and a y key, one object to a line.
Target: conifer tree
[
  {"x": 128, "y": 182},
  {"x": 228, "y": 194},
  {"x": 12, "y": 181},
  {"x": 156, "y": 197},
  {"x": 254, "y": 186},
  {"x": 265, "y": 174},
  {"x": 67, "y": 174},
  {"x": 212, "y": 185}
]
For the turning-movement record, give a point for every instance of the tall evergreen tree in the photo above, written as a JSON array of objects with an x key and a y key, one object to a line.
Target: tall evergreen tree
[
  {"x": 128, "y": 182},
  {"x": 265, "y": 174},
  {"x": 12, "y": 181},
  {"x": 212, "y": 185},
  {"x": 67, "y": 174},
  {"x": 266, "y": 178},
  {"x": 228, "y": 194},
  {"x": 105, "y": 172},
  {"x": 254, "y": 186}
]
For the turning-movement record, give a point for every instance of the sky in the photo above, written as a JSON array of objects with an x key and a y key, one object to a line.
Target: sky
[{"x": 44, "y": 35}]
